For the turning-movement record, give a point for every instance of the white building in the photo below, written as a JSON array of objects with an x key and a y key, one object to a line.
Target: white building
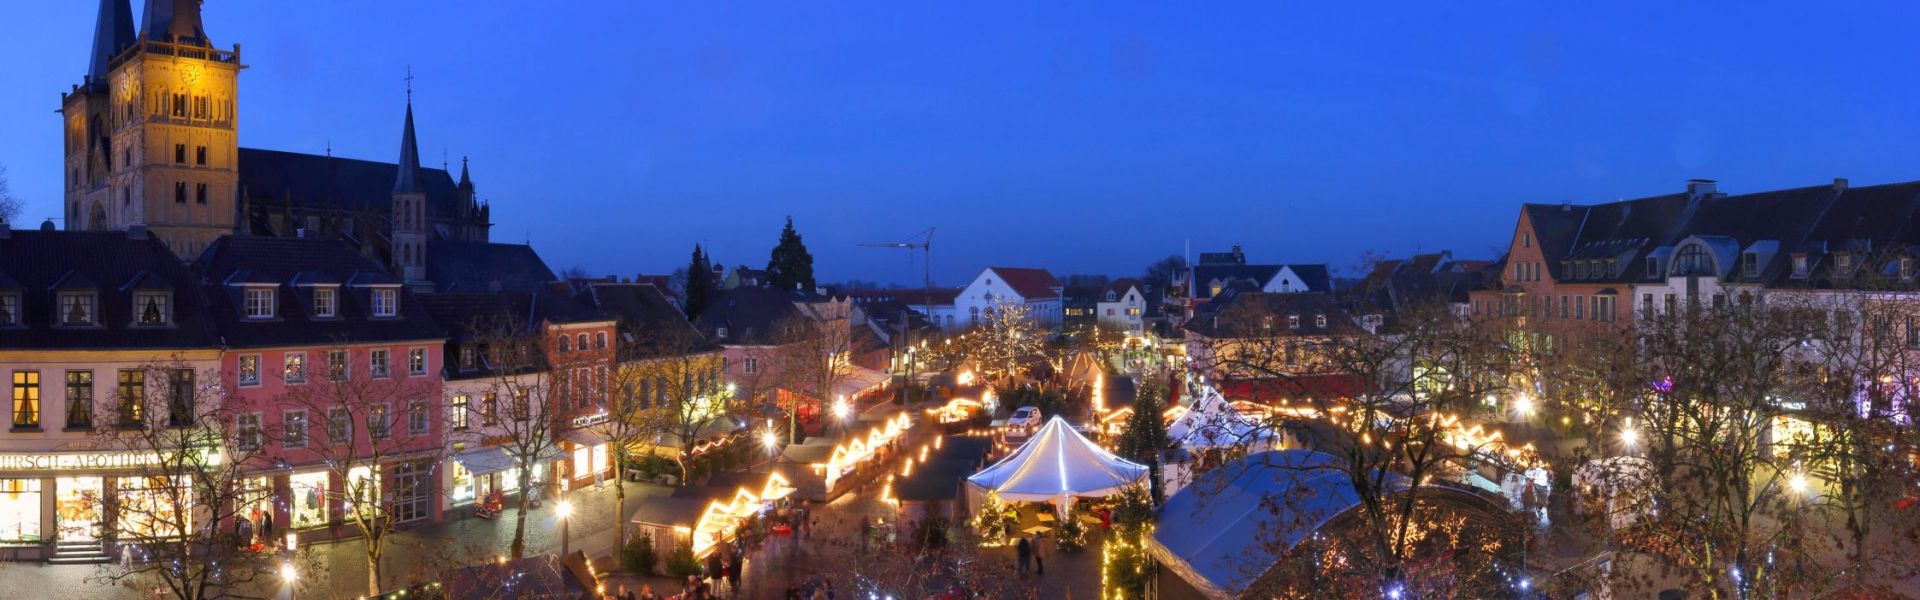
[
  {"x": 1034, "y": 288},
  {"x": 1122, "y": 307}
]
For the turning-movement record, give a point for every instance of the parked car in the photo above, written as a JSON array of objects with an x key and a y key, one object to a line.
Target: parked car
[{"x": 1026, "y": 417}]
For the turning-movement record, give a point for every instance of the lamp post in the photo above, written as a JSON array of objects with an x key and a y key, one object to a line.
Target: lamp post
[
  {"x": 288, "y": 576},
  {"x": 565, "y": 511}
]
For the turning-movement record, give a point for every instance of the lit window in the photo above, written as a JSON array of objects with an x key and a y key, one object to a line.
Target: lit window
[
  {"x": 1293, "y": 321},
  {"x": 326, "y": 302},
  {"x": 249, "y": 369},
  {"x": 459, "y": 412},
  {"x": 79, "y": 399},
  {"x": 26, "y": 398},
  {"x": 417, "y": 417},
  {"x": 152, "y": 307},
  {"x": 378, "y": 427},
  {"x": 417, "y": 361},
  {"x": 294, "y": 367},
  {"x": 76, "y": 309},
  {"x": 468, "y": 358},
  {"x": 295, "y": 424},
  {"x": 133, "y": 394},
  {"x": 259, "y": 302},
  {"x": 337, "y": 365}
]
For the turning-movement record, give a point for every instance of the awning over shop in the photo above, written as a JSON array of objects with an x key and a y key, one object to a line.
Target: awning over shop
[
  {"x": 859, "y": 380},
  {"x": 585, "y": 436},
  {"x": 496, "y": 459}
]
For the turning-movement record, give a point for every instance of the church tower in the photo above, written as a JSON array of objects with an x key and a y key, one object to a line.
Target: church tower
[
  {"x": 152, "y": 132},
  {"x": 409, "y": 247}
]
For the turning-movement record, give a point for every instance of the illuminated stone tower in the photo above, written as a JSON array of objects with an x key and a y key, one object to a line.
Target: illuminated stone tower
[{"x": 152, "y": 133}]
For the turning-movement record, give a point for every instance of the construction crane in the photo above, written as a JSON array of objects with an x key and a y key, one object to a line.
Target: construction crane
[{"x": 923, "y": 242}]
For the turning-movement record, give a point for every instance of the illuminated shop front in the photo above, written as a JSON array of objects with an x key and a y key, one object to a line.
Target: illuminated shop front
[
  {"x": 477, "y": 475},
  {"x": 20, "y": 510},
  {"x": 154, "y": 507},
  {"x": 79, "y": 507},
  {"x": 309, "y": 499}
]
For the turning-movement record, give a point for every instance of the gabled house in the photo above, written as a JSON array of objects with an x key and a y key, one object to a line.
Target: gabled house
[
  {"x": 1036, "y": 289},
  {"x": 1122, "y": 306}
]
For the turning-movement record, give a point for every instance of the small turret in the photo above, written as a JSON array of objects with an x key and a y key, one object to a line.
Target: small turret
[{"x": 176, "y": 21}]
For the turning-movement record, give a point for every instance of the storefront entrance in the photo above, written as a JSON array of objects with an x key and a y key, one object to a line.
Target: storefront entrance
[{"x": 78, "y": 502}]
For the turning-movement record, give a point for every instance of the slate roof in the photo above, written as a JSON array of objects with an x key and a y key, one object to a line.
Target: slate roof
[
  {"x": 341, "y": 184},
  {"x": 1399, "y": 283},
  {"x": 281, "y": 260},
  {"x": 114, "y": 264},
  {"x": 913, "y": 296},
  {"x": 1031, "y": 284},
  {"x": 749, "y": 314},
  {"x": 646, "y": 318},
  {"x": 455, "y": 266},
  {"x": 1242, "y": 312}
]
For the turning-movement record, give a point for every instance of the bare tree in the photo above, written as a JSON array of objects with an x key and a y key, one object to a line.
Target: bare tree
[
  {"x": 187, "y": 519},
  {"x": 517, "y": 408},
  {"x": 818, "y": 348},
  {"x": 679, "y": 399},
  {"x": 1003, "y": 341},
  {"x": 377, "y": 425},
  {"x": 1382, "y": 405},
  {"x": 10, "y": 206}
]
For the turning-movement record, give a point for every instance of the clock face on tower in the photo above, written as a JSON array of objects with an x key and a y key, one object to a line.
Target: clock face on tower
[{"x": 192, "y": 74}]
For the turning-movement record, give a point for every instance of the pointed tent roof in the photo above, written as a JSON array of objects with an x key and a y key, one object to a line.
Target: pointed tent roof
[
  {"x": 1212, "y": 422},
  {"x": 1058, "y": 463},
  {"x": 408, "y": 181},
  {"x": 112, "y": 32}
]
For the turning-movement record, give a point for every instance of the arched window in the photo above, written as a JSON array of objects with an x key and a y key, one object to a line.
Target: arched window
[
  {"x": 1692, "y": 259},
  {"x": 566, "y": 344}
]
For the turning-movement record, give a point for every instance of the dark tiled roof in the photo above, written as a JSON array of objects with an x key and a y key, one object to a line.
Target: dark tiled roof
[
  {"x": 646, "y": 317},
  {"x": 281, "y": 260},
  {"x": 749, "y": 314},
  {"x": 33, "y": 262},
  {"x": 1120, "y": 286},
  {"x": 1205, "y": 275},
  {"x": 1314, "y": 276},
  {"x": 1031, "y": 284},
  {"x": 334, "y": 183},
  {"x": 914, "y": 296},
  {"x": 1243, "y": 313},
  {"x": 485, "y": 267},
  {"x": 1083, "y": 295}
]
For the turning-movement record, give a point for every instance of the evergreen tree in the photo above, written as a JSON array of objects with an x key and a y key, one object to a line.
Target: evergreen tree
[
  {"x": 791, "y": 266},
  {"x": 1145, "y": 435},
  {"x": 699, "y": 283}
]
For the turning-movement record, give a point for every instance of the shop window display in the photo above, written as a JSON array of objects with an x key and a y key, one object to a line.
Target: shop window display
[
  {"x": 19, "y": 510},
  {"x": 309, "y": 499}
]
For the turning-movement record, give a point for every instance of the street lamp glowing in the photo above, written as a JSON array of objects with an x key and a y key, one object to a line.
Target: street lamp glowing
[
  {"x": 1798, "y": 483},
  {"x": 564, "y": 509},
  {"x": 1629, "y": 436},
  {"x": 767, "y": 437},
  {"x": 840, "y": 409},
  {"x": 287, "y": 573},
  {"x": 1524, "y": 405}
]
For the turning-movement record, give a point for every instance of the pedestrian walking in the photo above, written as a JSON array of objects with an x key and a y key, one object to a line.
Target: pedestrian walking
[
  {"x": 1024, "y": 551},
  {"x": 733, "y": 576},
  {"x": 1039, "y": 564}
]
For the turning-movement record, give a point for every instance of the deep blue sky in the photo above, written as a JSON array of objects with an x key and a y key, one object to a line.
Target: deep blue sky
[{"x": 1080, "y": 138}]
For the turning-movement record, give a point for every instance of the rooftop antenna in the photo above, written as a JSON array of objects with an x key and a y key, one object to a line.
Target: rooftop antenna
[
  {"x": 443, "y": 158},
  {"x": 329, "y": 146}
]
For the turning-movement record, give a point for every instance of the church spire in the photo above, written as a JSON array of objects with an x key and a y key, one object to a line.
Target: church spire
[
  {"x": 176, "y": 21},
  {"x": 409, "y": 179},
  {"x": 112, "y": 32},
  {"x": 466, "y": 183}
]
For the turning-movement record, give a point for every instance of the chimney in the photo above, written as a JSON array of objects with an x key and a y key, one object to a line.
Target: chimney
[
  {"x": 1839, "y": 184},
  {"x": 1701, "y": 188}
]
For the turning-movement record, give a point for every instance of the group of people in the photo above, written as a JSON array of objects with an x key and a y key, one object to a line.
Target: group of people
[
  {"x": 1028, "y": 552},
  {"x": 814, "y": 588}
]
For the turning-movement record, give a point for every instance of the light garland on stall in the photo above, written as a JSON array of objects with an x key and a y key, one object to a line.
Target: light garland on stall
[
  {"x": 849, "y": 454},
  {"x": 716, "y": 520}
]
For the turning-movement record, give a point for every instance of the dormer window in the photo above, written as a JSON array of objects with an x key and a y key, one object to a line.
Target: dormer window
[
  {"x": 386, "y": 302},
  {"x": 1799, "y": 265},
  {"x": 469, "y": 356},
  {"x": 1320, "y": 321},
  {"x": 9, "y": 310},
  {"x": 150, "y": 308},
  {"x": 326, "y": 302},
  {"x": 1842, "y": 263},
  {"x": 720, "y": 332},
  {"x": 76, "y": 309},
  {"x": 1293, "y": 321},
  {"x": 1906, "y": 271},
  {"x": 259, "y": 301},
  {"x": 1750, "y": 264}
]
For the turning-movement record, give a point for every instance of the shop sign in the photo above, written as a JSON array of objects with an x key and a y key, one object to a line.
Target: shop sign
[
  {"x": 593, "y": 419},
  {"x": 77, "y": 461}
]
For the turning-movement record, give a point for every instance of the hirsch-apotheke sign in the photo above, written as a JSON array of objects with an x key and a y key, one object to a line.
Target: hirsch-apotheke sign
[{"x": 76, "y": 461}]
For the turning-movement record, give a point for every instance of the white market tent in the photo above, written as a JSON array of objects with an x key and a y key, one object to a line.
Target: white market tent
[
  {"x": 1212, "y": 423},
  {"x": 1058, "y": 464}
]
